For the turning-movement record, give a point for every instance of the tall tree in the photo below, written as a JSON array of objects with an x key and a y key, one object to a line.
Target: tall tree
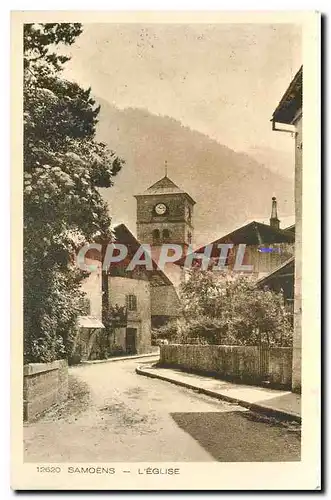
[{"x": 64, "y": 166}]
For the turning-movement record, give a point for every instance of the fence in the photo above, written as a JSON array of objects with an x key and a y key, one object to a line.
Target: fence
[{"x": 248, "y": 364}]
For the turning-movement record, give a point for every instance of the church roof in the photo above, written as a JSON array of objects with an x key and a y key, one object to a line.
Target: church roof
[
  {"x": 124, "y": 236},
  {"x": 164, "y": 186}
]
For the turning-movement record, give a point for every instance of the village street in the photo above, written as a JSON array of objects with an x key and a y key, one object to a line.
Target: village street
[{"x": 114, "y": 415}]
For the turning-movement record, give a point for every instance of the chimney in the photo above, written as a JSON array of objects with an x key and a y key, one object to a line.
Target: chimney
[{"x": 274, "y": 221}]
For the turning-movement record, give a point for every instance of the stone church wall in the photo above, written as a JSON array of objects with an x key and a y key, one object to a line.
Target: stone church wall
[{"x": 164, "y": 301}]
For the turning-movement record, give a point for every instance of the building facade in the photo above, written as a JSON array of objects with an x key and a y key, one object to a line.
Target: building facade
[
  {"x": 133, "y": 294},
  {"x": 91, "y": 286},
  {"x": 157, "y": 305},
  {"x": 289, "y": 113}
]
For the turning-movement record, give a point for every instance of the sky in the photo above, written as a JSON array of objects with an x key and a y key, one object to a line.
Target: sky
[{"x": 223, "y": 80}]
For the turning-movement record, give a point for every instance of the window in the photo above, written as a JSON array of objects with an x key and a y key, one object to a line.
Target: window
[
  {"x": 189, "y": 237},
  {"x": 131, "y": 302},
  {"x": 165, "y": 234},
  {"x": 156, "y": 236}
]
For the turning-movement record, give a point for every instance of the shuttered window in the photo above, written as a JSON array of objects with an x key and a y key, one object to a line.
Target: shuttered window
[{"x": 131, "y": 302}]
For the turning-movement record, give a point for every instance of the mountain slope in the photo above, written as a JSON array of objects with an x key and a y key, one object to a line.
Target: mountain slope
[{"x": 228, "y": 187}]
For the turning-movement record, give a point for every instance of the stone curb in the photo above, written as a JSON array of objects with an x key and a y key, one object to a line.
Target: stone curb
[
  {"x": 120, "y": 358},
  {"x": 265, "y": 409}
]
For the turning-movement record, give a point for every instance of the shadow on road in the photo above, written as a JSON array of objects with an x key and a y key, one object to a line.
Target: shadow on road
[{"x": 236, "y": 437}]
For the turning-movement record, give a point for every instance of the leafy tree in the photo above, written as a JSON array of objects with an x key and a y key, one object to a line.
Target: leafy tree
[
  {"x": 64, "y": 166},
  {"x": 168, "y": 331},
  {"x": 228, "y": 308}
]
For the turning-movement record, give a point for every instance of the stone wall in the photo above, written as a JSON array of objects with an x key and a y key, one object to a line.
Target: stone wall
[
  {"x": 164, "y": 301},
  {"x": 44, "y": 385},
  {"x": 239, "y": 363}
]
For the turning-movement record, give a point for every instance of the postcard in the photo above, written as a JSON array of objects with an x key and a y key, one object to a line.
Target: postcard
[{"x": 165, "y": 291}]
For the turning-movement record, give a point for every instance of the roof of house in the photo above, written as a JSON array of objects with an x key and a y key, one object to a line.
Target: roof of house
[
  {"x": 89, "y": 322},
  {"x": 253, "y": 233},
  {"x": 164, "y": 186},
  {"x": 285, "y": 221},
  {"x": 124, "y": 236},
  {"x": 291, "y": 101},
  {"x": 256, "y": 233},
  {"x": 290, "y": 228},
  {"x": 283, "y": 271}
]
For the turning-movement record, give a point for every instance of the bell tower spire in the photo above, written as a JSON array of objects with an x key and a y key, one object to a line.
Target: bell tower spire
[
  {"x": 166, "y": 168},
  {"x": 274, "y": 221}
]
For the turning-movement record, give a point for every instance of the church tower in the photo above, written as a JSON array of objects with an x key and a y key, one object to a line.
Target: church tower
[{"x": 164, "y": 215}]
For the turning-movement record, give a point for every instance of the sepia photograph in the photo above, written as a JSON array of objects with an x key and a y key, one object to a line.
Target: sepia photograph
[{"x": 162, "y": 260}]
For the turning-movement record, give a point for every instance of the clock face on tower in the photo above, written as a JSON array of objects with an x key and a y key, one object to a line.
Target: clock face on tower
[{"x": 160, "y": 209}]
